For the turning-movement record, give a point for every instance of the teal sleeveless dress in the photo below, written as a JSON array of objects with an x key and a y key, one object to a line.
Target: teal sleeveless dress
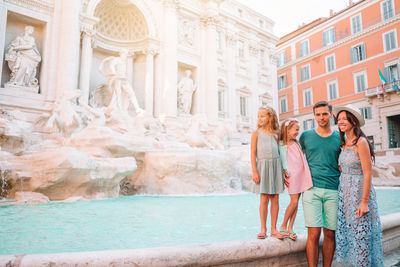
[{"x": 268, "y": 165}]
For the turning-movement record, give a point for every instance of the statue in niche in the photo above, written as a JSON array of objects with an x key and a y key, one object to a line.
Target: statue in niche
[
  {"x": 120, "y": 92},
  {"x": 23, "y": 58},
  {"x": 186, "y": 88}
]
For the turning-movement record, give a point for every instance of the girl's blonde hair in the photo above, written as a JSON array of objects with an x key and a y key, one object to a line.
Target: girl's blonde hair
[
  {"x": 286, "y": 125},
  {"x": 273, "y": 123}
]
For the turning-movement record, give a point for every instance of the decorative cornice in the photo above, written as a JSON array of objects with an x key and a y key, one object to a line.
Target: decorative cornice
[
  {"x": 42, "y": 6},
  {"x": 343, "y": 41}
]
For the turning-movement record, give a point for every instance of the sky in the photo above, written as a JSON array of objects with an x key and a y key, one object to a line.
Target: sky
[{"x": 289, "y": 14}]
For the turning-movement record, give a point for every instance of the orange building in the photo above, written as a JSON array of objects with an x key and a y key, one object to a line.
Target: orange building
[{"x": 338, "y": 59}]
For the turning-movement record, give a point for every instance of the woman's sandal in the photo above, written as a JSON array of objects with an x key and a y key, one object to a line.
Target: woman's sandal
[
  {"x": 262, "y": 235},
  {"x": 293, "y": 236}
]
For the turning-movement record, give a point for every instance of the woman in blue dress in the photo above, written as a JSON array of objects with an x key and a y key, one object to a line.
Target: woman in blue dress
[{"x": 359, "y": 230}]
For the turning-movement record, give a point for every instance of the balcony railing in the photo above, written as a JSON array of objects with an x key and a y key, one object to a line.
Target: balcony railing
[{"x": 378, "y": 90}]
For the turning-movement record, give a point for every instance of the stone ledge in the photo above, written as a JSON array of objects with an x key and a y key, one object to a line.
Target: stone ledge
[{"x": 251, "y": 252}]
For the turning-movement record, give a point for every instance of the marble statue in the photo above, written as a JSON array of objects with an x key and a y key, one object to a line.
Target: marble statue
[
  {"x": 64, "y": 115},
  {"x": 23, "y": 58},
  {"x": 120, "y": 90},
  {"x": 186, "y": 88}
]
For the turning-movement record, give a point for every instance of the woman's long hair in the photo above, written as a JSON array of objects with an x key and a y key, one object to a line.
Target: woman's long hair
[{"x": 357, "y": 132}]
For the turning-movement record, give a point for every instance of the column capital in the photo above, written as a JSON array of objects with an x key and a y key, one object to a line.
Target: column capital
[
  {"x": 87, "y": 24},
  {"x": 254, "y": 48},
  {"x": 172, "y": 4},
  {"x": 150, "y": 52},
  {"x": 231, "y": 38},
  {"x": 87, "y": 30},
  {"x": 209, "y": 20}
]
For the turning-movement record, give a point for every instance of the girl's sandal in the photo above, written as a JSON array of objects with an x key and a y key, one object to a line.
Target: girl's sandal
[
  {"x": 293, "y": 236},
  {"x": 262, "y": 235},
  {"x": 284, "y": 233}
]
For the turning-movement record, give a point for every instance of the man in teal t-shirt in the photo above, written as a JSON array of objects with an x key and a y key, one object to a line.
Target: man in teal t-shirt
[{"x": 321, "y": 147}]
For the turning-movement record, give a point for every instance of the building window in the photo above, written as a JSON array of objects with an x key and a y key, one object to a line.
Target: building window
[
  {"x": 359, "y": 81},
  {"x": 357, "y": 53},
  {"x": 328, "y": 37},
  {"x": 309, "y": 124},
  {"x": 304, "y": 49},
  {"x": 332, "y": 90},
  {"x": 241, "y": 48},
  {"x": 243, "y": 106},
  {"x": 332, "y": 121},
  {"x": 389, "y": 40},
  {"x": 330, "y": 63},
  {"x": 356, "y": 24},
  {"x": 283, "y": 104},
  {"x": 366, "y": 113},
  {"x": 391, "y": 73},
  {"x": 221, "y": 101},
  {"x": 371, "y": 140},
  {"x": 282, "y": 58},
  {"x": 387, "y": 9},
  {"x": 305, "y": 73},
  {"x": 282, "y": 81},
  {"x": 307, "y": 96}
]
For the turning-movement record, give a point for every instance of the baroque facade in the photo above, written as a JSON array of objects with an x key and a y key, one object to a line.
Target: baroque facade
[
  {"x": 228, "y": 48},
  {"x": 338, "y": 59}
]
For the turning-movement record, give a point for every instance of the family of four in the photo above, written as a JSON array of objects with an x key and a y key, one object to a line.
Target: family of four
[{"x": 332, "y": 170}]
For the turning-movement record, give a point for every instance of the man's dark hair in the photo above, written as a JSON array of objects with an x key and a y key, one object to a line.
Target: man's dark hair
[{"x": 322, "y": 104}]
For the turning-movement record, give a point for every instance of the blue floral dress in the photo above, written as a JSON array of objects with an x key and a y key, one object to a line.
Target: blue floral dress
[{"x": 358, "y": 240}]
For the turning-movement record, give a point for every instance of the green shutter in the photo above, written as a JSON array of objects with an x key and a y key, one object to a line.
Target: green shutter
[{"x": 363, "y": 52}]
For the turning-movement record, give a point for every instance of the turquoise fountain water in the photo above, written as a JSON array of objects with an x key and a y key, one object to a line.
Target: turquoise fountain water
[{"x": 142, "y": 221}]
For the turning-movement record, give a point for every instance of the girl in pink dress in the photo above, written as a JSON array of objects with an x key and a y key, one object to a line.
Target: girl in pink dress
[{"x": 297, "y": 173}]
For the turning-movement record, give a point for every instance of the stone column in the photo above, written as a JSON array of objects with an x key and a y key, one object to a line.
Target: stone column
[
  {"x": 149, "y": 82},
  {"x": 211, "y": 92},
  {"x": 231, "y": 66},
  {"x": 129, "y": 67},
  {"x": 3, "y": 22},
  {"x": 170, "y": 66},
  {"x": 68, "y": 45},
  {"x": 86, "y": 62}
]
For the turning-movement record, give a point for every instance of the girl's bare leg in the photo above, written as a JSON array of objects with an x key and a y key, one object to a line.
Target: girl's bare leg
[
  {"x": 274, "y": 215},
  {"x": 295, "y": 199},
  {"x": 264, "y": 199}
]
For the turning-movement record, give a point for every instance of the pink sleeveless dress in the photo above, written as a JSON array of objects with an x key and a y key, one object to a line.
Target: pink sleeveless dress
[{"x": 300, "y": 176}]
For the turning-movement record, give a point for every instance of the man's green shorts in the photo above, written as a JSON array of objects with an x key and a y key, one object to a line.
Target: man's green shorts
[{"x": 320, "y": 207}]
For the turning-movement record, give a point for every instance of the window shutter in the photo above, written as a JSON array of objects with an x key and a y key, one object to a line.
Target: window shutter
[
  {"x": 284, "y": 82},
  {"x": 324, "y": 41},
  {"x": 333, "y": 35},
  {"x": 387, "y": 41},
  {"x": 386, "y": 73},
  {"x": 305, "y": 125},
  {"x": 363, "y": 52},
  {"x": 392, "y": 40},
  {"x": 352, "y": 55},
  {"x": 313, "y": 124}
]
